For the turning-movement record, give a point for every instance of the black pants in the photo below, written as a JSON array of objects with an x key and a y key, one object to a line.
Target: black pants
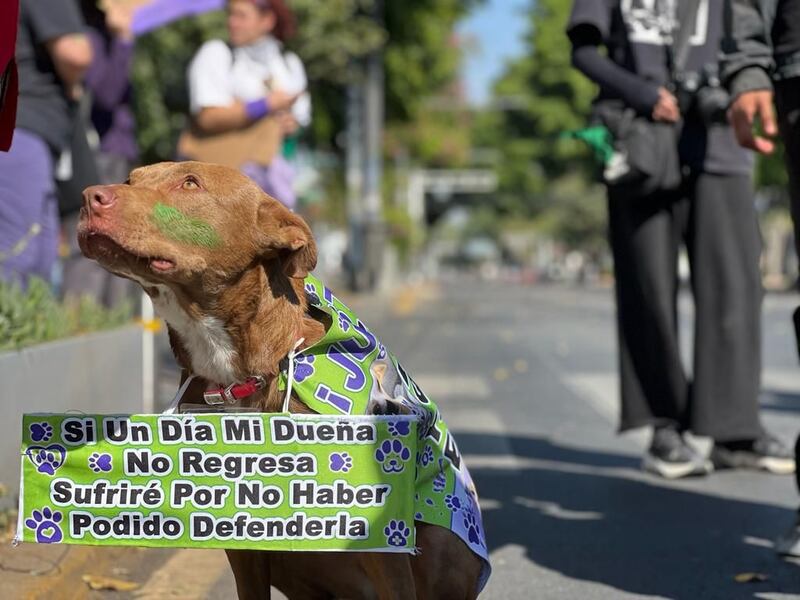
[
  {"x": 787, "y": 99},
  {"x": 715, "y": 217}
]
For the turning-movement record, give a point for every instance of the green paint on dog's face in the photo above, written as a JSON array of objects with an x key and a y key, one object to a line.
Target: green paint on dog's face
[{"x": 182, "y": 228}]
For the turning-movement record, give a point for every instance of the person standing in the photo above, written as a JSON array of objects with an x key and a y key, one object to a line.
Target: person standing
[
  {"x": 763, "y": 44},
  {"x": 109, "y": 113},
  {"x": 52, "y": 55},
  {"x": 706, "y": 204},
  {"x": 235, "y": 84}
]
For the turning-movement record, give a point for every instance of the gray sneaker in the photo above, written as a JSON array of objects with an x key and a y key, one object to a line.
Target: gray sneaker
[
  {"x": 670, "y": 457},
  {"x": 765, "y": 453}
]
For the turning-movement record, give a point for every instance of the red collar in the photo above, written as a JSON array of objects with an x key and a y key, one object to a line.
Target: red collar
[{"x": 234, "y": 392}]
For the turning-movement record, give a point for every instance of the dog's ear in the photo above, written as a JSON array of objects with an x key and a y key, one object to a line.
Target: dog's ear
[{"x": 287, "y": 235}]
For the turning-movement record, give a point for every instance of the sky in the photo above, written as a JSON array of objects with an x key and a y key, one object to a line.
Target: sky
[{"x": 496, "y": 28}]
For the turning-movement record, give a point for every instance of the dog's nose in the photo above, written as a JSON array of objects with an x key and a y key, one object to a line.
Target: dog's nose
[{"x": 99, "y": 197}]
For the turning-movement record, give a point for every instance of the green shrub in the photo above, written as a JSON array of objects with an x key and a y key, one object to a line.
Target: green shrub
[{"x": 34, "y": 315}]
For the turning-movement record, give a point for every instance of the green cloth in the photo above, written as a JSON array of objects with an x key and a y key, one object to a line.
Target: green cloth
[
  {"x": 599, "y": 140},
  {"x": 349, "y": 372},
  {"x": 248, "y": 481}
]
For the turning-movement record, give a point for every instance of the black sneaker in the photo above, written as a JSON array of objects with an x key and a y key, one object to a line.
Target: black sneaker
[
  {"x": 789, "y": 543},
  {"x": 670, "y": 457},
  {"x": 765, "y": 453}
]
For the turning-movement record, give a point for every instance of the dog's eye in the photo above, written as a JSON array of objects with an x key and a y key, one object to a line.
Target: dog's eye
[{"x": 190, "y": 183}]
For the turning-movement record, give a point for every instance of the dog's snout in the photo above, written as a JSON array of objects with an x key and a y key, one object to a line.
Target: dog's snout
[{"x": 99, "y": 197}]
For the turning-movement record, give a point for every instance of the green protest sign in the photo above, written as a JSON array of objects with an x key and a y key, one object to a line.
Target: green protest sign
[{"x": 257, "y": 481}]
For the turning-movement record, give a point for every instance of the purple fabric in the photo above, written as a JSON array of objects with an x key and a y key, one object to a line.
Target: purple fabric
[
  {"x": 163, "y": 12},
  {"x": 27, "y": 196},
  {"x": 276, "y": 179},
  {"x": 108, "y": 79},
  {"x": 256, "y": 109}
]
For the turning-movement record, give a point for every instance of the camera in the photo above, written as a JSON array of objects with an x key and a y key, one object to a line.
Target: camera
[{"x": 701, "y": 93}]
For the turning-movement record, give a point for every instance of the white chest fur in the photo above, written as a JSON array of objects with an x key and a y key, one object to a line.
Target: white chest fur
[{"x": 206, "y": 340}]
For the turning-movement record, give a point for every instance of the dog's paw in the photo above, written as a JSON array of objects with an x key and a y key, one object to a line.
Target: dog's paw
[
  {"x": 399, "y": 428},
  {"x": 392, "y": 454},
  {"x": 303, "y": 367},
  {"x": 344, "y": 322},
  {"x": 439, "y": 482},
  {"x": 452, "y": 503},
  {"x": 397, "y": 533},
  {"x": 341, "y": 462},
  {"x": 473, "y": 528},
  {"x": 100, "y": 462},
  {"x": 425, "y": 457},
  {"x": 47, "y": 460},
  {"x": 41, "y": 432},
  {"x": 45, "y": 524}
]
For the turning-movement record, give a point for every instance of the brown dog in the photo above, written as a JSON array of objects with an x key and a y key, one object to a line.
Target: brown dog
[{"x": 224, "y": 265}]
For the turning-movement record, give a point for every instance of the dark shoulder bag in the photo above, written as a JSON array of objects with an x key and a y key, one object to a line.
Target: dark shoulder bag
[{"x": 646, "y": 152}]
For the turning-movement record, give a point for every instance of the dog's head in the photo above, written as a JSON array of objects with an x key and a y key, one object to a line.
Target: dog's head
[
  {"x": 222, "y": 261},
  {"x": 191, "y": 225}
]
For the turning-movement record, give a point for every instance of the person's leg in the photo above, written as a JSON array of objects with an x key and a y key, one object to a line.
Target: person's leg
[
  {"x": 787, "y": 99},
  {"x": 645, "y": 235},
  {"x": 28, "y": 211},
  {"x": 724, "y": 248},
  {"x": 644, "y": 242}
]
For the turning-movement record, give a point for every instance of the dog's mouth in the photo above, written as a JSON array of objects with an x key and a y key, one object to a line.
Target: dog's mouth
[{"x": 111, "y": 253}]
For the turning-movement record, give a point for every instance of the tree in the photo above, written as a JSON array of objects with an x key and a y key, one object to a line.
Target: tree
[
  {"x": 539, "y": 97},
  {"x": 416, "y": 38}
]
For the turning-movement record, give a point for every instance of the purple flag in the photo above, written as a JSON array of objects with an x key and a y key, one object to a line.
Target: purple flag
[{"x": 163, "y": 12}]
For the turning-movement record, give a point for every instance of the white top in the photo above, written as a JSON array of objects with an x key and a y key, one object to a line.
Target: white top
[{"x": 218, "y": 79}]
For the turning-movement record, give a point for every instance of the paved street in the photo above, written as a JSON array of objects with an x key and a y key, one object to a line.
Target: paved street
[{"x": 525, "y": 376}]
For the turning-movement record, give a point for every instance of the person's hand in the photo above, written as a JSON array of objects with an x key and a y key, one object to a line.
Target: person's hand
[
  {"x": 666, "y": 108},
  {"x": 288, "y": 123},
  {"x": 743, "y": 113},
  {"x": 118, "y": 20},
  {"x": 278, "y": 100}
]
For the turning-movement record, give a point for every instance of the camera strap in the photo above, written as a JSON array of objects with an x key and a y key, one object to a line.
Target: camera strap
[{"x": 678, "y": 50}]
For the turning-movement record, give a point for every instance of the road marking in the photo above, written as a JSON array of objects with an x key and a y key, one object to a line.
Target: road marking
[
  {"x": 555, "y": 510},
  {"x": 781, "y": 380},
  {"x": 188, "y": 574},
  {"x": 600, "y": 390}
]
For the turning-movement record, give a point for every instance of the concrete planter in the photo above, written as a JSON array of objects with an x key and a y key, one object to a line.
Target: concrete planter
[{"x": 95, "y": 373}]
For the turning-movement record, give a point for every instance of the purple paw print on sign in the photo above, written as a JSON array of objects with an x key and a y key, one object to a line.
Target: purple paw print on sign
[
  {"x": 311, "y": 292},
  {"x": 100, "y": 462},
  {"x": 453, "y": 503},
  {"x": 426, "y": 456},
  {"x": 46, "y": 525},
  {"x": 47, "y": 459},
  {"x": 396, "y": 533},
  {"x": 303, "y": 367},
  {"x": 392, "y": 455},
  {"x": 439, "y": 482},
  {"x": 400, "y": 428},
  {"x": 344, "y": 322},
  {"x": 341, "y": 461},
  {"x": 41, "y": 432},
  {"x": 473, "y": 529}
]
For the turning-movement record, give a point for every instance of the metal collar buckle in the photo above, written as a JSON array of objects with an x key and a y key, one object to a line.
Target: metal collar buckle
[{"x": 235, "y": 392}]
